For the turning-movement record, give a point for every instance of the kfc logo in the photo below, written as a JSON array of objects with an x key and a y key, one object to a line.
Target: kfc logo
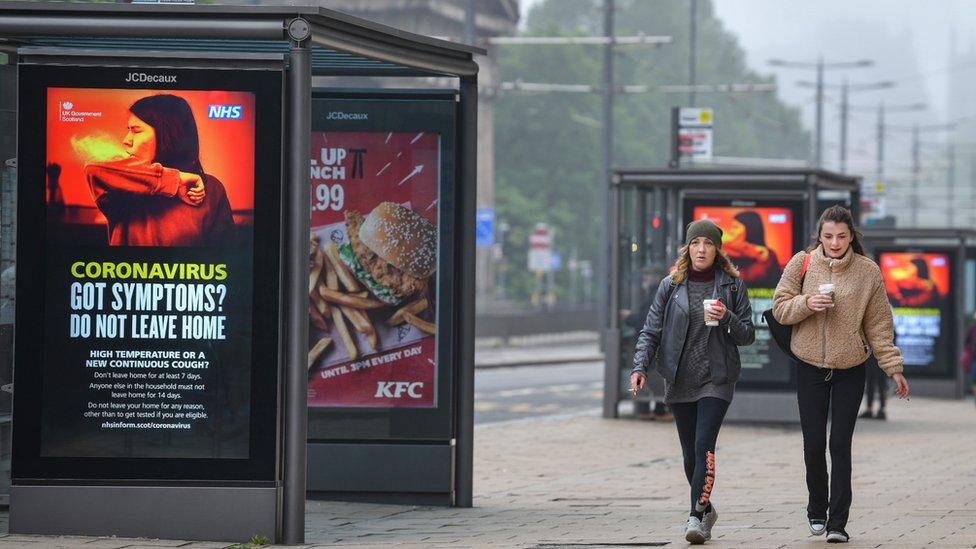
[{"x": 396, "y": 389}]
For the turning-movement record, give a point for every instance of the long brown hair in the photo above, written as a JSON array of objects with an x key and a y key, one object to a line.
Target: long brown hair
[
  {"x": 680, "y": 270},
  {"x": 839, "y": 214}
]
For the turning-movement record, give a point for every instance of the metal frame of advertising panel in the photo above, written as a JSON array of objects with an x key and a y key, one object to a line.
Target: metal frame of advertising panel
[
  {"x": 301, "y": 41},
  {"x": 128, "y": 390},
  {"x": 676, "y": 193},
  {"x": 399, "y": 394},
  {"x": 958, "y": 245}
]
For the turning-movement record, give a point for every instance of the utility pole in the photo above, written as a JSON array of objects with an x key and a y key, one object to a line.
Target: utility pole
[
  {"x": 603, "y": 279},
  {"x": 470, "y": 28},
  {"x": 818, "y": 155},
  {"x": 845, "y": 90},
  {"x": 881, "y": 142},
  {"x": 693, "y": 54},
  {"x": 916, "y": 168},
  {"x": 951, "y": 181},
  {"x": 820, "y": 66},
  {"x": 843, "y": 126}
]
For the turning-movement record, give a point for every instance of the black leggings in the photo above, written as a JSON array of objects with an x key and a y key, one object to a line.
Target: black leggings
[
  {"x": 818, "y": 389},
  {"x": 877, "y": 383},
  {"x": 698, "y": 424}
]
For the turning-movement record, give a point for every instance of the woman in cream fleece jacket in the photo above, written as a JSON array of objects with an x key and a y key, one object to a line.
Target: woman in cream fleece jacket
[{"x": 833, "y": 335}]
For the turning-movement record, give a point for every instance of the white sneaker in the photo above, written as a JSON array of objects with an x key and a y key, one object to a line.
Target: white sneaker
[
  {"x": 818, "y": 527},
  {"x": 708, "y": 520},
  {"x": 693, "y": 531},
  {"x": 837, "y": 536}
]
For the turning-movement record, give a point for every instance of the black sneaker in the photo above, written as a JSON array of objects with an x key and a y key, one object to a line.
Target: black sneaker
[
  {"x": 837, "y": 536},
  {"x": 866, "y": 414},
  {"x": 818, "y": 527},
  {"x": 881, "y": 415}
]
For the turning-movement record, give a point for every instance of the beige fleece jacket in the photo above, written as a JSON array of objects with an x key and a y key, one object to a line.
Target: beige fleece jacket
[{"x": 844, "y": 335}]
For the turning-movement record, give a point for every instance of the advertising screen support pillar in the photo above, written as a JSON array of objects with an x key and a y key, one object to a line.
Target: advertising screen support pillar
[
  {"x": 296, "y": 213},
  {"x": 465, "y": 427}
]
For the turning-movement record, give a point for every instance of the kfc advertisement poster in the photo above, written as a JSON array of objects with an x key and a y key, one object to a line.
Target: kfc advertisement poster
[
  {"x": 373, "y": 269},
  {"x": 918, "y": 285}
]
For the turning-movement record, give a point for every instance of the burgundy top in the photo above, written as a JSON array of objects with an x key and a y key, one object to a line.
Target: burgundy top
[{"x": 702, "y": 276}]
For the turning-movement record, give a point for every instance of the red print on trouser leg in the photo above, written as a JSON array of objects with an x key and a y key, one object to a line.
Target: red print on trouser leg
[{"x": 709, "y": 478}]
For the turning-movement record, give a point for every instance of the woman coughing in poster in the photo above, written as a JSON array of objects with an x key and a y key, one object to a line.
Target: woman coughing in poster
[
  {"x": 160, "y": 195},
  {"x": 756, "y": 261}
]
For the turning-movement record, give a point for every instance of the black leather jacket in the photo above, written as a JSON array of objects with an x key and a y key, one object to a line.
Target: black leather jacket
[{"x": 666, "y": 327}]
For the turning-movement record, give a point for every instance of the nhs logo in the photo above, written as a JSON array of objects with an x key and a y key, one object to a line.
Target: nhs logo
[{"x": 225, "y": 112}]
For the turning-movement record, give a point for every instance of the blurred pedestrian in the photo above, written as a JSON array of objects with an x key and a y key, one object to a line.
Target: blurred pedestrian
[
  {"x": 875, "y": 385},
  {"x": 969, "y": 354},
  {"x": 700, "y": 315},
  {"x": 840, "y": 315},
  {"x": 651, "y": 278}
]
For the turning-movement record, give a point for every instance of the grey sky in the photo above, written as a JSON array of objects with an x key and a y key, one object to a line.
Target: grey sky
[{"x": 908, "y": 39}]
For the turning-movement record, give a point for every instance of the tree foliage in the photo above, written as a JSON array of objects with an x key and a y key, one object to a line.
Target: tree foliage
[{"x": 548, "y": 152}]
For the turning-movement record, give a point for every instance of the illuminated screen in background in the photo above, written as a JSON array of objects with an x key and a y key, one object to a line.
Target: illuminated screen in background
[
  {"x": 760, "y": 240},
  {"x": 918, "y": 286}
]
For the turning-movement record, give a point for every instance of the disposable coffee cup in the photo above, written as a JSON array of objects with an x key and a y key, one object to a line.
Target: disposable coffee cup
[
  {"x": 707, "y": 304},
  {"x": 827, "y": 289}
]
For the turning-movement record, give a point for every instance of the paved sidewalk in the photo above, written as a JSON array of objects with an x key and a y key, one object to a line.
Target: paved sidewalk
[{"x": 585, "y": 481}]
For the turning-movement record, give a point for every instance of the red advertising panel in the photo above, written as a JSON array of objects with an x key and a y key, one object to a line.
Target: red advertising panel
[
  {"x": 759, "y": 240},
  {"x": 759, "y": 237},
  {"x": 918, "y": 286},
  {"x": 373, "y": 261}
]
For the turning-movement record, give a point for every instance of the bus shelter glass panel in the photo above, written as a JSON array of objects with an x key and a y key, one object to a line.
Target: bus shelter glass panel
[
  {"x": 643, "y": 263},
  {"x": 380, "y": 285},
  {"x": 760, "y": 237}
]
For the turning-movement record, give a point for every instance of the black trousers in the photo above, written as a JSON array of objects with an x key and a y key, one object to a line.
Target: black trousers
[
  {"x": 839, "y": 391},
  {"x": 877, "y": 383},
  {"x": 698, "y": 424}
]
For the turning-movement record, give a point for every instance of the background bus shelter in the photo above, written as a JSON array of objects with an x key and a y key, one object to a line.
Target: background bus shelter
[
  {"x": 302, "y": 42},
  {"x": 773, "y": 209},
  {"x": 934, "y": 309}
]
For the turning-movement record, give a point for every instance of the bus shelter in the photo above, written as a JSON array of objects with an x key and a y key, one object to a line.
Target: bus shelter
[
  {"x": 930, "y": 279},
  {"x": 220, "y": 268},
  {"x": 766, "y": 216}
]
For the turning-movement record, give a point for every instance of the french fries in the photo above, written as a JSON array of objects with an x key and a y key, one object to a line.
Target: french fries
[
  {"x": 361, "y": 323},
  {"x": 421, "y": 324},
  {"x": 344, "y": 334},
  {"x": 335, "y": 293},
  {"x": 320, "y": 346},
  {"x": 413, "y": 308},
  {"x": 315, "y": 270},
  {"x": 316, "y": 317},
  {"x": 345, "y": 275},
  {"x": 334, "y": 296}
]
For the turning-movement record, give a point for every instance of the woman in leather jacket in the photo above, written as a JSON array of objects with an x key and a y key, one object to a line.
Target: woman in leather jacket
[{"x": 699, "y": 363}]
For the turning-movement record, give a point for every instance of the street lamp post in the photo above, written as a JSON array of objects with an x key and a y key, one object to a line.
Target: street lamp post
[
  {"x": 820, "y": 66},
  {"x": 845, "y": 90}
]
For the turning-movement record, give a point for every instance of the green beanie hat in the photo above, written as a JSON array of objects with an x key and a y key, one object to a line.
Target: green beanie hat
[{"x": 706, "y": 228}]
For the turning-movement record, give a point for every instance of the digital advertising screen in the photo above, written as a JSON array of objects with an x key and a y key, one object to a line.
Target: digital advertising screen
[
  {"x": 380, "y": 271},
  {"x": 373, "y": 258},
  {"x": 153, "y": 341},
  {"x": 760, "y": 237},
  {"x": 918, "y": 285}
]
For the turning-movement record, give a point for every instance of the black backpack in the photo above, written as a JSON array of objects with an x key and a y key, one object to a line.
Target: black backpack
[{"x": 783, "y": 335}]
